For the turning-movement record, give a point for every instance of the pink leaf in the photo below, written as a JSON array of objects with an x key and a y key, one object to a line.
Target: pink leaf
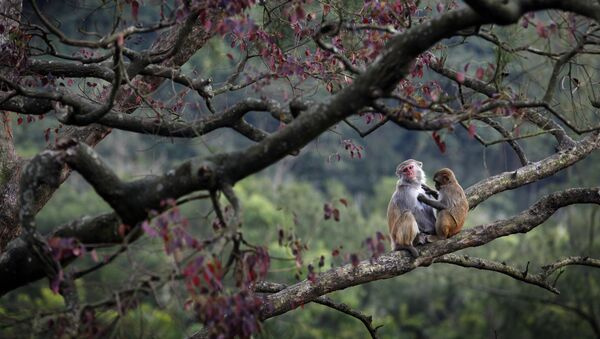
[
  {"x": 460, "y": 77},
  {"x": 135, "y": 8},
  {"x": 479, "y": 73},
  {"x": 149, "y": 229},
  {"x": 472, "y": 131},
  {"x": 439, "y": 142},
  {"x": 541, "y": 29},
  {"x": 55, "y": 283},
  {"x": 94, "y": 255},
  {"x": 344, "y": 202}
]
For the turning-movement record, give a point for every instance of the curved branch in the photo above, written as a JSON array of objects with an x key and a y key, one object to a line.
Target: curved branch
[
  {"x": 509, "y": 139},
  {"x": 540, "y": 279},
  {"x": 105, "y": 42},
  {"x": 563, "y": 139},
  {"x": 500, "y": 12},
  {"x": 93, "y": 116},
  {"x": 269, "y": 287},
  {"x": 232, "y": 117},
  {"x": 396, "y": 263},
  {"x": 535, "y": 171}
]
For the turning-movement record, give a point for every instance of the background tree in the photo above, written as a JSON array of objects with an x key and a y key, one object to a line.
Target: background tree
[{"x": 512, "y": 76}]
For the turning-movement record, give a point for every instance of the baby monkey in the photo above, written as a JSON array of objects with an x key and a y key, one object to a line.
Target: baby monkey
[{"x": 452, "y": 205}]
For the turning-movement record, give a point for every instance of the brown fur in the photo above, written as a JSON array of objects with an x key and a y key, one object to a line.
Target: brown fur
[
  {"x": 403, "y": 229},
  {"x": 453, "y": 205}
]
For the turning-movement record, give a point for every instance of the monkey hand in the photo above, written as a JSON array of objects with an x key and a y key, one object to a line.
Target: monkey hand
[
  {"x": 430, "y": 191},
  {"x": 433, "y": 203}
]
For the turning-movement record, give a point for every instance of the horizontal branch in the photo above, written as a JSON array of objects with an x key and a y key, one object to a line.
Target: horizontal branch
[
  {"x": 269, "y": 287},
  {"x": 398, "y": 263},
  {"x": 539, "y": 279},
  {"x": 231, "y": 117},
  {"x": 535, "y": 171},
  {"x": 18, "y": 266}
]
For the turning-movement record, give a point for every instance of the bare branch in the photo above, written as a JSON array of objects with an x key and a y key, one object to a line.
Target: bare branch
[
  {"x": 489, "y": 265},
  {"x": 269, "y": 287},
  {"x": 532, "y": 172},
  {"x": 396, "y": 263},
  {"x": 105, "y": 42}
]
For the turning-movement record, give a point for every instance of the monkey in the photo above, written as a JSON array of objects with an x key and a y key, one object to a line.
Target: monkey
[
  {"x": 408, "y": 217},
  {"x": 452, "y": 205}
]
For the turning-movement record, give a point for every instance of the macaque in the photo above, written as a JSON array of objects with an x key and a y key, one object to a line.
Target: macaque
[
  {"x": 452, "y": 205},
  {"x": 407, "y": 217}
]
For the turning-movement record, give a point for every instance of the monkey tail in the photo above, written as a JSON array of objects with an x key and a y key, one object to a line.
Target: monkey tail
[{"x": 411, "y": 249}]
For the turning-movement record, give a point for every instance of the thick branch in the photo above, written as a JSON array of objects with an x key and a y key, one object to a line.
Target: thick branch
[
  {"x": 532, "y": 172},
  {"x": 394, "y": 264}
]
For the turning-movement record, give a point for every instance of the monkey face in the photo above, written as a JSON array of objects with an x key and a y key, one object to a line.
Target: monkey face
[
  {"x": 442, "y": 178},
  {"x": 438, "y": 182},
  {"x": 408, "y": 171}
]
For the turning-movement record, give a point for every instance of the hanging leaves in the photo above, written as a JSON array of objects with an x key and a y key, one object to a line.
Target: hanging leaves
[{"x": 439, "y": 142}]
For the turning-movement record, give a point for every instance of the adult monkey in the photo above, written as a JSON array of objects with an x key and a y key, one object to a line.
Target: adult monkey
[{"x": 407, "y": 216}]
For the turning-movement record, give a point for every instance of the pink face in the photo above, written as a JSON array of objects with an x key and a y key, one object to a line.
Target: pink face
[{"x": 409, "y": 171}]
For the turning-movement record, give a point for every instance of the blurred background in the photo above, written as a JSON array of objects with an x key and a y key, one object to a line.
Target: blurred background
[{"x": 440, "y": 301}]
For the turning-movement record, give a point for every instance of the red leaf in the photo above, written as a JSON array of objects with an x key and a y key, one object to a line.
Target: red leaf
[
  {"x": 135, "y": 8},
  {"x": 479, "y": 73},
  {"x": 472, "y": 131},
  {"x": 354, "y": 259},
  {"x": 19, "y": 120},
  {"x": 122, "y": 230},
  {"x": 439, "y": 142},
  {"x": 55, "y": 283},
  {"x": 542, "y": 30},
  {"x": 120, "y": 40},
  {"x": 327, "y": 210},
  {"x": 94, "y": 255},
  {"x": 336, "y": 214}
]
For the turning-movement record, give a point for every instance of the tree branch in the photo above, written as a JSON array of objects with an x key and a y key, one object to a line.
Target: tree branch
[
  {"x": 396, "y": 263},
  {"x": 482, "y": 190},
  {"x": 269, "y": 287},
  {"x": 540, "y": 279}
]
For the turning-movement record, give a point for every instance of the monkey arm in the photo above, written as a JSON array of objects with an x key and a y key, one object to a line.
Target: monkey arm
[
  {"x": 433, "y": 203},
  {"x": 430, "y": 191}
]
